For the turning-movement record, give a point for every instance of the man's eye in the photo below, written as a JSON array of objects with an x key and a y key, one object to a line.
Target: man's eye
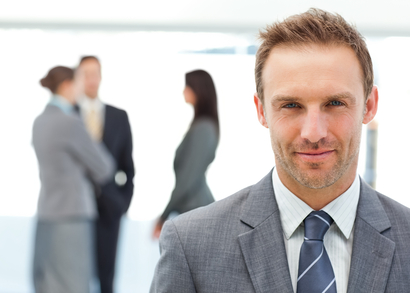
[
  {"x": 336, "y": 103},
  {"x": 291, "y": 105}
]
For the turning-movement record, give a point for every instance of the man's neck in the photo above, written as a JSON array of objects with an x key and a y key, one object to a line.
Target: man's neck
[
  {"x": 318, "y": 198},
  {"x": 92, "y": 98}
]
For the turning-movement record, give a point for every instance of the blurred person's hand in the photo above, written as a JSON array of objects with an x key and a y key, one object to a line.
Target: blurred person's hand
[
  {"x": 157, "y": 229},
  {"x": 79, "y": 85}
]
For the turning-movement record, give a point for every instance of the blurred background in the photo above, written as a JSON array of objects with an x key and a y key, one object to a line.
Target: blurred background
[{"x": 145, "y": 48}]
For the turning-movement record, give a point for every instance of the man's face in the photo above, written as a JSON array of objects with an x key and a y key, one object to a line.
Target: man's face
[
  {"x": 314, "y": 107},
  {"x": 91, "y": 74}
]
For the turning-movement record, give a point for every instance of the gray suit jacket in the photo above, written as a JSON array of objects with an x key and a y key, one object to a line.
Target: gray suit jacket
[
  {"x": 236, "y": 245},
  {"x": 67, "y": 158},
  {"x": 192, "y": 158}
]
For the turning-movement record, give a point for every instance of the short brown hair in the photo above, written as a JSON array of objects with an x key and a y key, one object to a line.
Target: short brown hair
[
  {"x": 313, "y": 27},
  {"x": 89, "y": 57}
]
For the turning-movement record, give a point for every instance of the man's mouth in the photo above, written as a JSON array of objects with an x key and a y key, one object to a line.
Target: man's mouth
[{"x": 315, "y": 155}]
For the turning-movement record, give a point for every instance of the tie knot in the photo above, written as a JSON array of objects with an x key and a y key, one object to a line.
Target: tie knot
[{"x": 316, "y": 225}]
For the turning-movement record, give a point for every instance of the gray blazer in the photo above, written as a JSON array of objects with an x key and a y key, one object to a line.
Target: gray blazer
[
  {"x": 67, "y": 158},
  {"x": 236, "y": 245},
  {"x": 192, "y": 158}
]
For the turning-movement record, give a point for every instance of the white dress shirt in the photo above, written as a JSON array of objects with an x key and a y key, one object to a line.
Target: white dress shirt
[
  {"x": 87, "y": 104},
  {"x": 338, "y": 240}
]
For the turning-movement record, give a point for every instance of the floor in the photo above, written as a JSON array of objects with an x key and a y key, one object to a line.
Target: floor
[{"x": 138, "y": 255}]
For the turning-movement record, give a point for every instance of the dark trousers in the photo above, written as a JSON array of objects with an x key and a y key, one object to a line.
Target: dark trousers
[{"x": 107, "y": 231}]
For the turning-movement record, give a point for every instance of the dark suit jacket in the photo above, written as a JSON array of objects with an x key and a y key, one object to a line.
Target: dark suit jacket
[
  {"x": 192, "y": 158},
  {"x": 115, "y": 200},
  {"x": 236, "y": 245}
]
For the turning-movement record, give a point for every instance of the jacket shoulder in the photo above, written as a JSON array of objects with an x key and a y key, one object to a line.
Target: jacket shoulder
[
  {"x": 52, "y": 117},
  {"x": 115, "y": 110},
  {"x": 396, "y": 212},
  {"x": 203, "y": 124}
]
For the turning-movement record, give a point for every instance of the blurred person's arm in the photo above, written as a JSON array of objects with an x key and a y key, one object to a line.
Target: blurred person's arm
[
  {"x": 119, "y": 196},
  {"x": 94, "y": 156},
  {"x": 126, "y": 165}
]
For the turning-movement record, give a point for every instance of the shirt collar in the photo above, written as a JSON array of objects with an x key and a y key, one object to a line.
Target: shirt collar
[
  {"x": 62, "y": 103},
  {"x": 293, "y": 210},
  {"x": 89, "y": 104}
]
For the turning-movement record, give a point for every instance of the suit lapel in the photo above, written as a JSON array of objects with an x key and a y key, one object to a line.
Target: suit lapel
[
  {"x": 106, "y": 123},
  {"x": 372, "y": 252},
  {"x": 263, "y": 247}
]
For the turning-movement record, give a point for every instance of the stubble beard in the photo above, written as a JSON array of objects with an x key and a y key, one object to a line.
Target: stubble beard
[{"x": 287, "y": 160}]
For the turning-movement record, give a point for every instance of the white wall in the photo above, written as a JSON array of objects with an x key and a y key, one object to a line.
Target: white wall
[
  {"x": 394, "y": 119},
  {"x": 375, "y": 16}
]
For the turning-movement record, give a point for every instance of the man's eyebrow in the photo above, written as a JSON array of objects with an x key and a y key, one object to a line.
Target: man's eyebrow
[
  {"x": 342, "y": 96},
  {"x": 284, "y": 98}
]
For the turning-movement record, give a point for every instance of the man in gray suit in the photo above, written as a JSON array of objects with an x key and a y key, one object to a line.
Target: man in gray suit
[{"x": 312, "y": 224}]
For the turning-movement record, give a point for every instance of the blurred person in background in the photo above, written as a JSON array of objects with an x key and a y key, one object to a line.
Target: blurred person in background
[
  {"x": 110, "y": 126},
  {"x": 67, "y": 158},
  {"x": 196, "y": 151}
]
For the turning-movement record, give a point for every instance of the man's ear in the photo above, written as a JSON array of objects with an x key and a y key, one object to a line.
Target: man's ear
[
  {"x": 371, "y": 106},
  {"x": 259, "y": 110}
]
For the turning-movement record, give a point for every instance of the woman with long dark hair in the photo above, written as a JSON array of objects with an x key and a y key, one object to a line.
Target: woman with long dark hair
[
  {"x": 197, "y": 150},
  {"x": 68, "y": 160}
]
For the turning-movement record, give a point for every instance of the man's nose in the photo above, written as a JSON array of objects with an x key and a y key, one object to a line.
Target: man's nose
[{"x": 314, "y": 126}]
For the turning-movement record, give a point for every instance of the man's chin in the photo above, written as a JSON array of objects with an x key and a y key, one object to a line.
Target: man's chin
[
  {"x": 314, "y": 175},
  {"x": 315, "y": 178}
]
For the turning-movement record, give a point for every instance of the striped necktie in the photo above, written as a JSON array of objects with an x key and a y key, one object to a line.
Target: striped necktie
[{"x": 315, "y": 270}]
